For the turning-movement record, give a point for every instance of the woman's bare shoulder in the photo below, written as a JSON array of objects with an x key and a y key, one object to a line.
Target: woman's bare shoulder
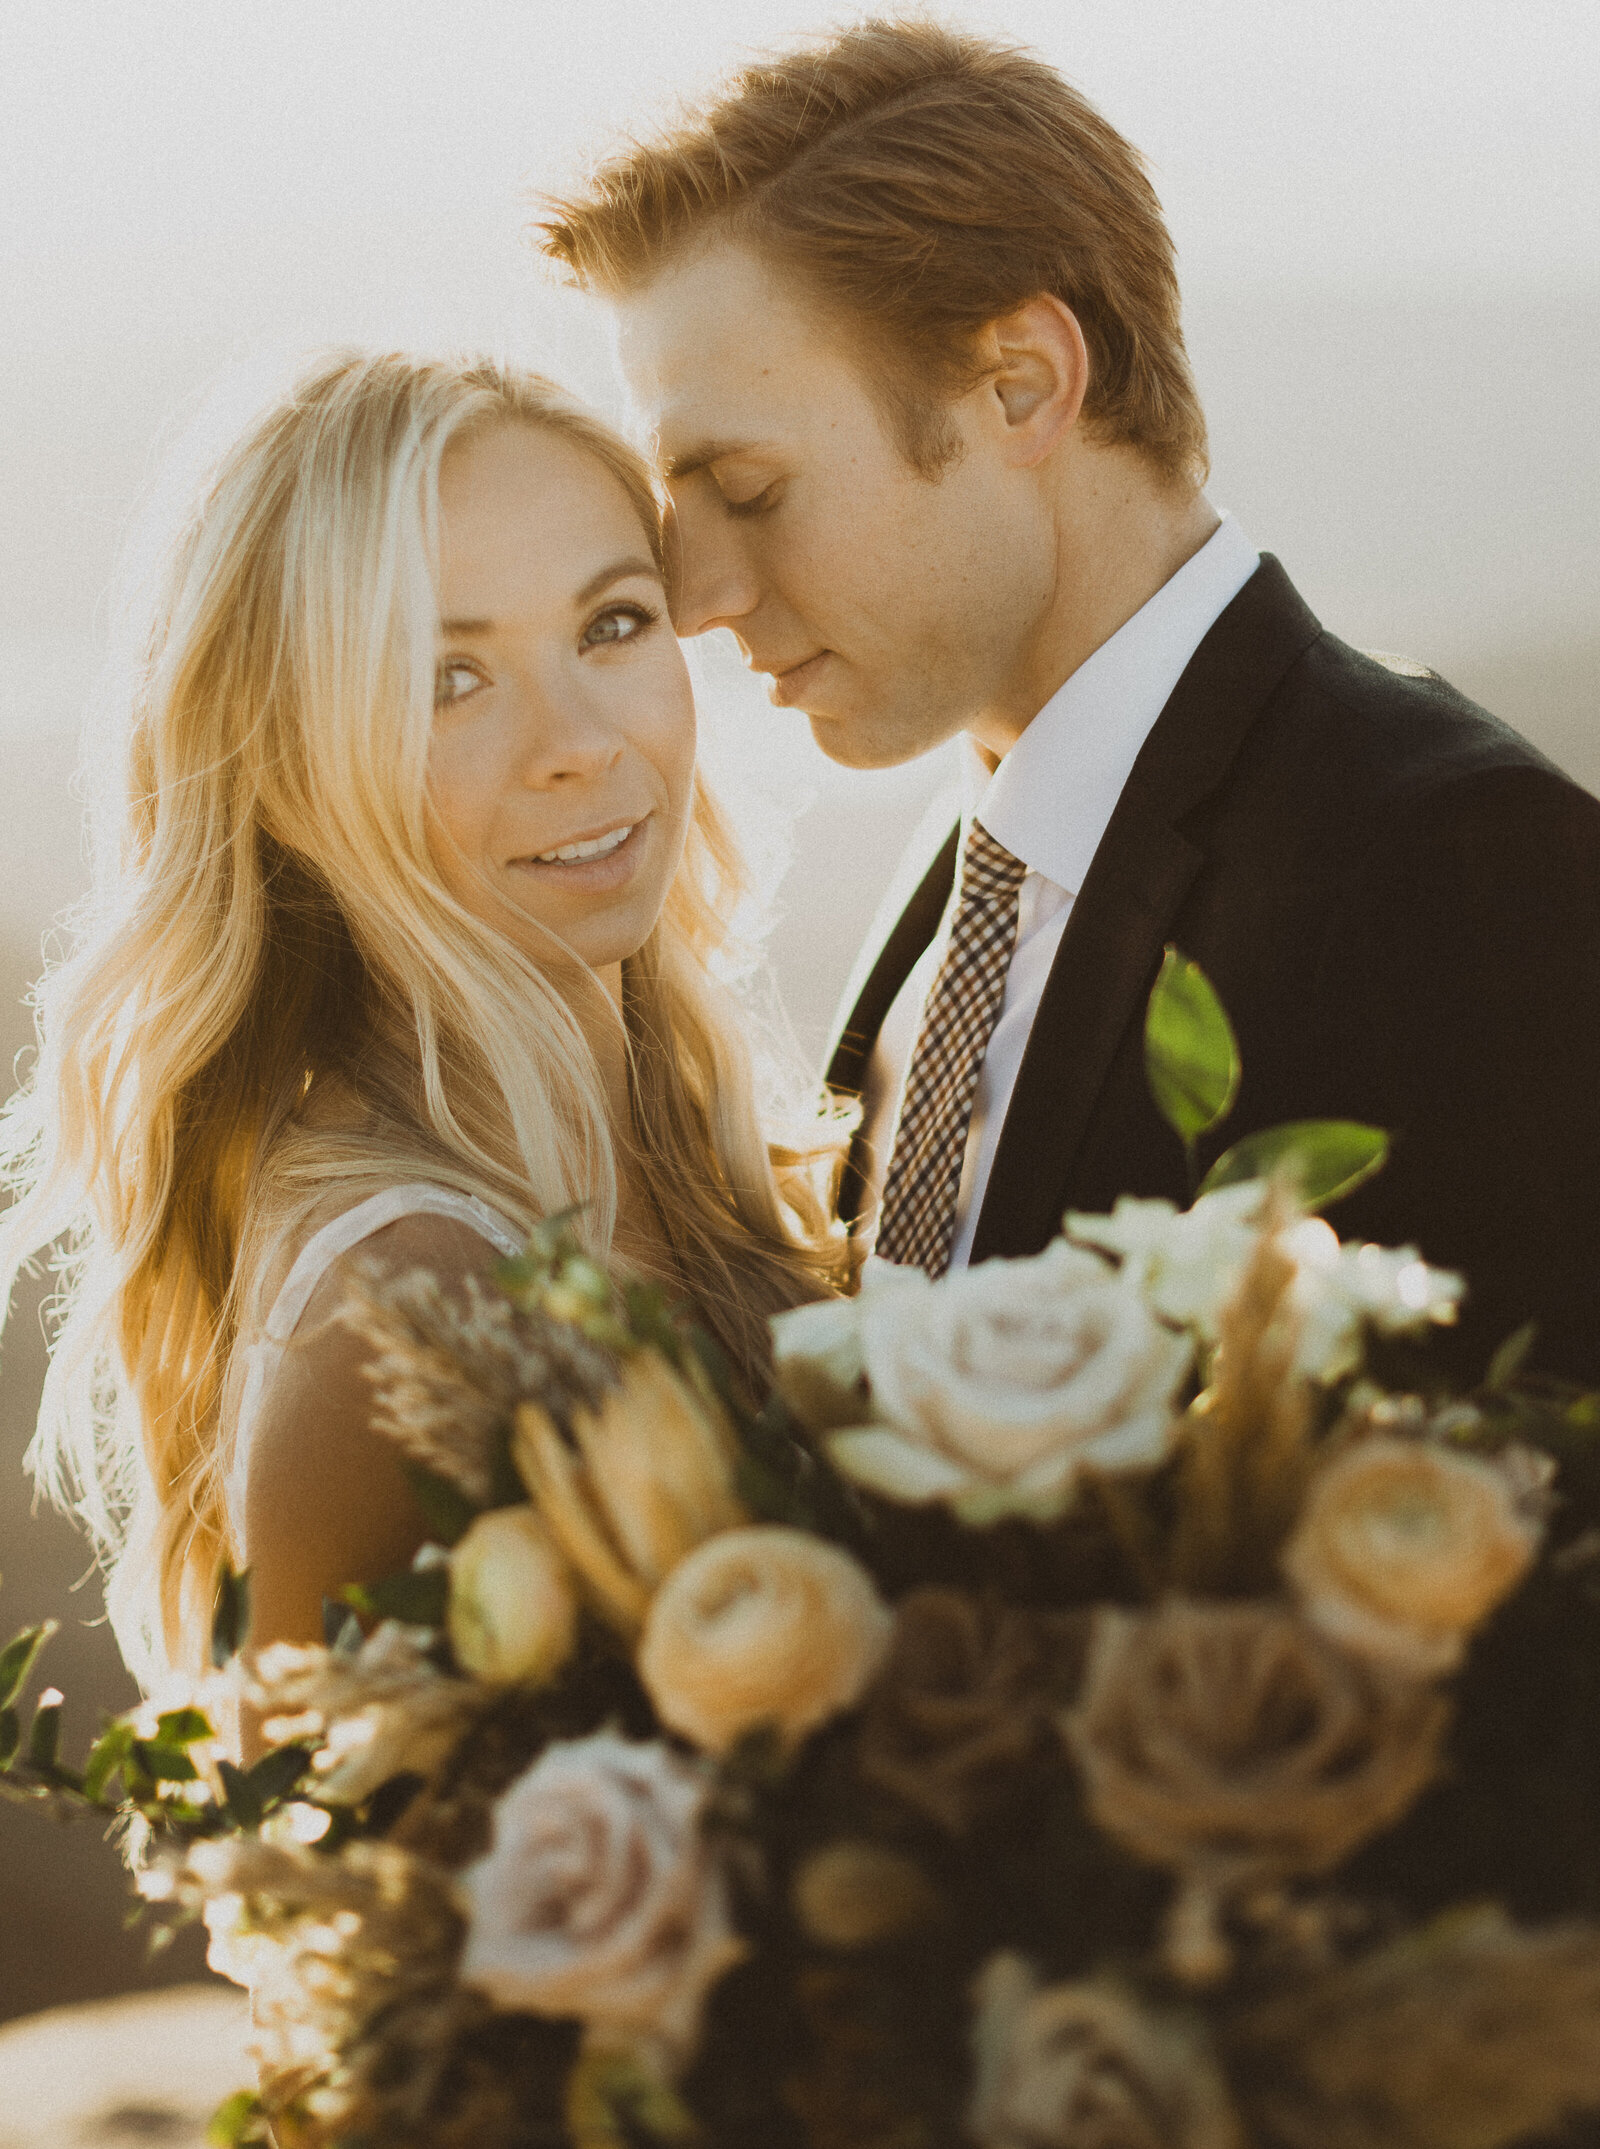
[{"x": 327, "y": 1500}]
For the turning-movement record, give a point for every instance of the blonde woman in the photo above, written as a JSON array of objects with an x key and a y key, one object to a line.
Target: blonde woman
[{"x": 402, "y": 942}]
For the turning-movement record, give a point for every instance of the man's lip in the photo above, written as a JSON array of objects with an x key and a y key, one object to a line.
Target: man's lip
[
  {"x": 588, "y": 835},
  {"x": 788, "y": 685}
]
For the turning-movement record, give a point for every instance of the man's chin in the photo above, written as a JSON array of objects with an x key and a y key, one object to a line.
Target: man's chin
[{"x": 868, "y": 742}]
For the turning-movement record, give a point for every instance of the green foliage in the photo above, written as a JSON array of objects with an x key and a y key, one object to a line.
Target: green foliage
[
  {"x": 230, "y": 1618},
  {"x": 107, "y": 1757},
  {"x": 1326, "y": 1158},
  {"x": 450, "y": 1513},
  {"x": 1190, "y": 1054},
  {"x": 238, "y": 2120},
  {"x": 614, "y": 2101},
  {"x": 10, "y": 1737},
  {"x": 44, "y": 1737},
  {"x": 419, "y": 1597},
  {"x": 246, "y": 1807},
  {"x": 18, "y": 1657},
  {"x": 1509, "y": 1360}
]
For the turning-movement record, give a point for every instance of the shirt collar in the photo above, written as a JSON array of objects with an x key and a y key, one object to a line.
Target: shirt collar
[{"x": 1052, "y": 796}]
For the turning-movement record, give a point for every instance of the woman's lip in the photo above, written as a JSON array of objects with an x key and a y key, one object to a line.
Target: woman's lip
[
  {"x": 609, "y": 870},
  {"x": 787, "y": 687}
]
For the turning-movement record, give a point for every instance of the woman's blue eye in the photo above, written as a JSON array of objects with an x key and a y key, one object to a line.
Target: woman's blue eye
[{"x": 617, "y": 623}]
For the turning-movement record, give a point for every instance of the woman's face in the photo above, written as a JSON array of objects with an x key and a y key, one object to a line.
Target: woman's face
[{"x": 562, "y": 756}]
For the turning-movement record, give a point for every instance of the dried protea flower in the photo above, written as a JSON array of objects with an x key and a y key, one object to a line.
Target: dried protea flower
[
  {"x": 1472, "y": 2034},
  {"x": 1246, "y": 1445},
  {"x": 629, "y": 1488},
  {"x": 1405, "y": 1546},
  {"x": 380, "y": 1711},
  {"x": 966, "y": 1698},
  {"x": 1237, "y": 1746},
  {"x": 1084, "y": 2066},
  {"x": 448, "y": 1368}
]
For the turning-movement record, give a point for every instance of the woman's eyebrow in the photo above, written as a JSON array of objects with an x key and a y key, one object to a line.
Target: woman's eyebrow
[{"x": 616, "y": 571}]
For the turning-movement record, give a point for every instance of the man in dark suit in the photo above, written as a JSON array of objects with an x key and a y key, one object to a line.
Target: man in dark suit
[{"x": 902, "y": 313}]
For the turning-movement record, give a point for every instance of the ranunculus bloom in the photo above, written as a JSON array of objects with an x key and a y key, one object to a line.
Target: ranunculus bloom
[
  {"x": 386, "y": 1710},
  {"x": 998, "y": 1384},
  {"x": 1404, "y": 1546},
  {"x": 599, "y": 1898},
  {"x": 650, "y": 1478},
  {"x": 856, "y": 1895},
  {"x": 512, "y": 1614},
  {"x": 761, "y": 1626},
  {"x": 1188, "y": 1263},
  {"x": 965, "y": 1699},
  {"x": 1237, "y": 1745},
  {"x": 1062, "y": 2065}
]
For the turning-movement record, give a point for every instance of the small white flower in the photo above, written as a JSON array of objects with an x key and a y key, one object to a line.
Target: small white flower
[
  {"x": 1188, "y": 1263},
  {"x": 994, "y": 1387}
]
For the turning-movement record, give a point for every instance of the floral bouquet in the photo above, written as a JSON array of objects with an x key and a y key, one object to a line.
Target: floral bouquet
[{"x": 1121, "y": 1699}]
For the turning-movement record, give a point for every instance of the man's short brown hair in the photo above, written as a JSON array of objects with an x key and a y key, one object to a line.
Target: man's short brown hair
[{"x": 924, "y": 182}]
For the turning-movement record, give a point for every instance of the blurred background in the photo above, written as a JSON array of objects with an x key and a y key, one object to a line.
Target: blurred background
[{"x": 1388, "y": 216}]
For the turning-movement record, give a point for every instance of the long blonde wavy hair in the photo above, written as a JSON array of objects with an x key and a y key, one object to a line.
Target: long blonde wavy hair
[{"x": 274, "y": 1007}]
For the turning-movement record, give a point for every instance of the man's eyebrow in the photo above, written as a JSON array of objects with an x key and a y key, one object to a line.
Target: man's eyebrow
[{"x": 616, "y": 571}]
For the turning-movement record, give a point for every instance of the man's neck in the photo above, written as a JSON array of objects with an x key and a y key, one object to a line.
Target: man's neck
[{"x": 1122, "y": 534}]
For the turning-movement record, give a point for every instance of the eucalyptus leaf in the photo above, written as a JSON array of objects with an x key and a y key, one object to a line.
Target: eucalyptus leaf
[
  {"x": 17, "y": 1659},
  {"x": 1509, "y": 1360},
  {"x": 450, "y": 1513},
  {"x": 230, "y": 1619},
  {"x": 44, "y": 1737},
  {"x": 164, "y": 1764},
  {"x": 277, "y": 1773},
  {"x": 418, "y": 1598},
  {"x": 246, "y": 1808},
  {"x": 10, "y": 1737},
  {"x": 239, "y": 2119},
  {"x": 1327, "y": 1158},
  {"x": 1191, "y": 1057},
  {"x": 106, "y": 1756},
  {"x": 181, "y": 1727}
]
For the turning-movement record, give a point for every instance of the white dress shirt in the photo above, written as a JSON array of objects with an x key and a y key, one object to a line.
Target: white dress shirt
[{"x": 1049, "y": 803}]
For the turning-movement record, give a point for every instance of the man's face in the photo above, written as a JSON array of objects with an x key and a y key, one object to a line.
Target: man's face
[{"x": 892, "y": 608}]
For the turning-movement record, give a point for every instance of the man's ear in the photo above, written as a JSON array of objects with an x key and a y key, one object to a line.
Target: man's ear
[{"x": 1038, "y": 376}]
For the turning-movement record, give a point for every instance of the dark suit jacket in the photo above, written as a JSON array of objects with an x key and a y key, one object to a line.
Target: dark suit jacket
[{"x": 1398, "y": 900}]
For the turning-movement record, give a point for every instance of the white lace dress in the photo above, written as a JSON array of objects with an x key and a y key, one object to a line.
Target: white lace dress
[{"x": 311, "y": 1264}]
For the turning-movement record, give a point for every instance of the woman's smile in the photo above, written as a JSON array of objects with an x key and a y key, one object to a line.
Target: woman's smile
[{"x": 594, "y": 863}]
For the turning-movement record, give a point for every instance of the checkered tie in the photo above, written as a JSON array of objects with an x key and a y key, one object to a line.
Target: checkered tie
[{"x": 917, "y": 1224}]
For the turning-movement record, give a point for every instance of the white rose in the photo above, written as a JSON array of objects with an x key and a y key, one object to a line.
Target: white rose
[
  {"x": 599, "y": 1898},
  {"x": 512, "y": 1613},
  {"x": 1342, "y": 1290},
  {"x": 761, "y": 1626},
  {"x": 1187, "y": 1261},
  {"x": 998, "y": 1384},
  {"x": 816, "y": 1356}
]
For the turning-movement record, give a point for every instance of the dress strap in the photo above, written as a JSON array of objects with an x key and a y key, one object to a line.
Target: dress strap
[
  {"x": 324, "y": 1247},
  {"x": 311, "y": 1264}
]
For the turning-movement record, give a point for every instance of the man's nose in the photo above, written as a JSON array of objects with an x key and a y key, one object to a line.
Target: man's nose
[{"x": 714, "y": 583}]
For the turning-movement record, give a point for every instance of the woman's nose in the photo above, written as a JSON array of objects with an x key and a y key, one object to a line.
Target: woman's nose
[{"x": 563, "y": 743}]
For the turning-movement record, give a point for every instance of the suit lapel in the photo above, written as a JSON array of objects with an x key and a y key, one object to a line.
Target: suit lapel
[{"x": 1141, "y": 872}]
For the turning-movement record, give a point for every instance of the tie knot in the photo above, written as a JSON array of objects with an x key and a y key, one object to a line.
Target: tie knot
[{"x": 988, "y": 869}]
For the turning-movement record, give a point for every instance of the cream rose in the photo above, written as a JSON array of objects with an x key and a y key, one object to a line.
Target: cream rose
[
  {"x": 998, "y": 1384},
  {"x": 761, "y": 1626},
  {"x": 512, "y": 1614},
  {"x": 599, "y": 1898},
  {"x": 1404, "y": 1547},
  {"x": 1062, "y": 2065}
]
